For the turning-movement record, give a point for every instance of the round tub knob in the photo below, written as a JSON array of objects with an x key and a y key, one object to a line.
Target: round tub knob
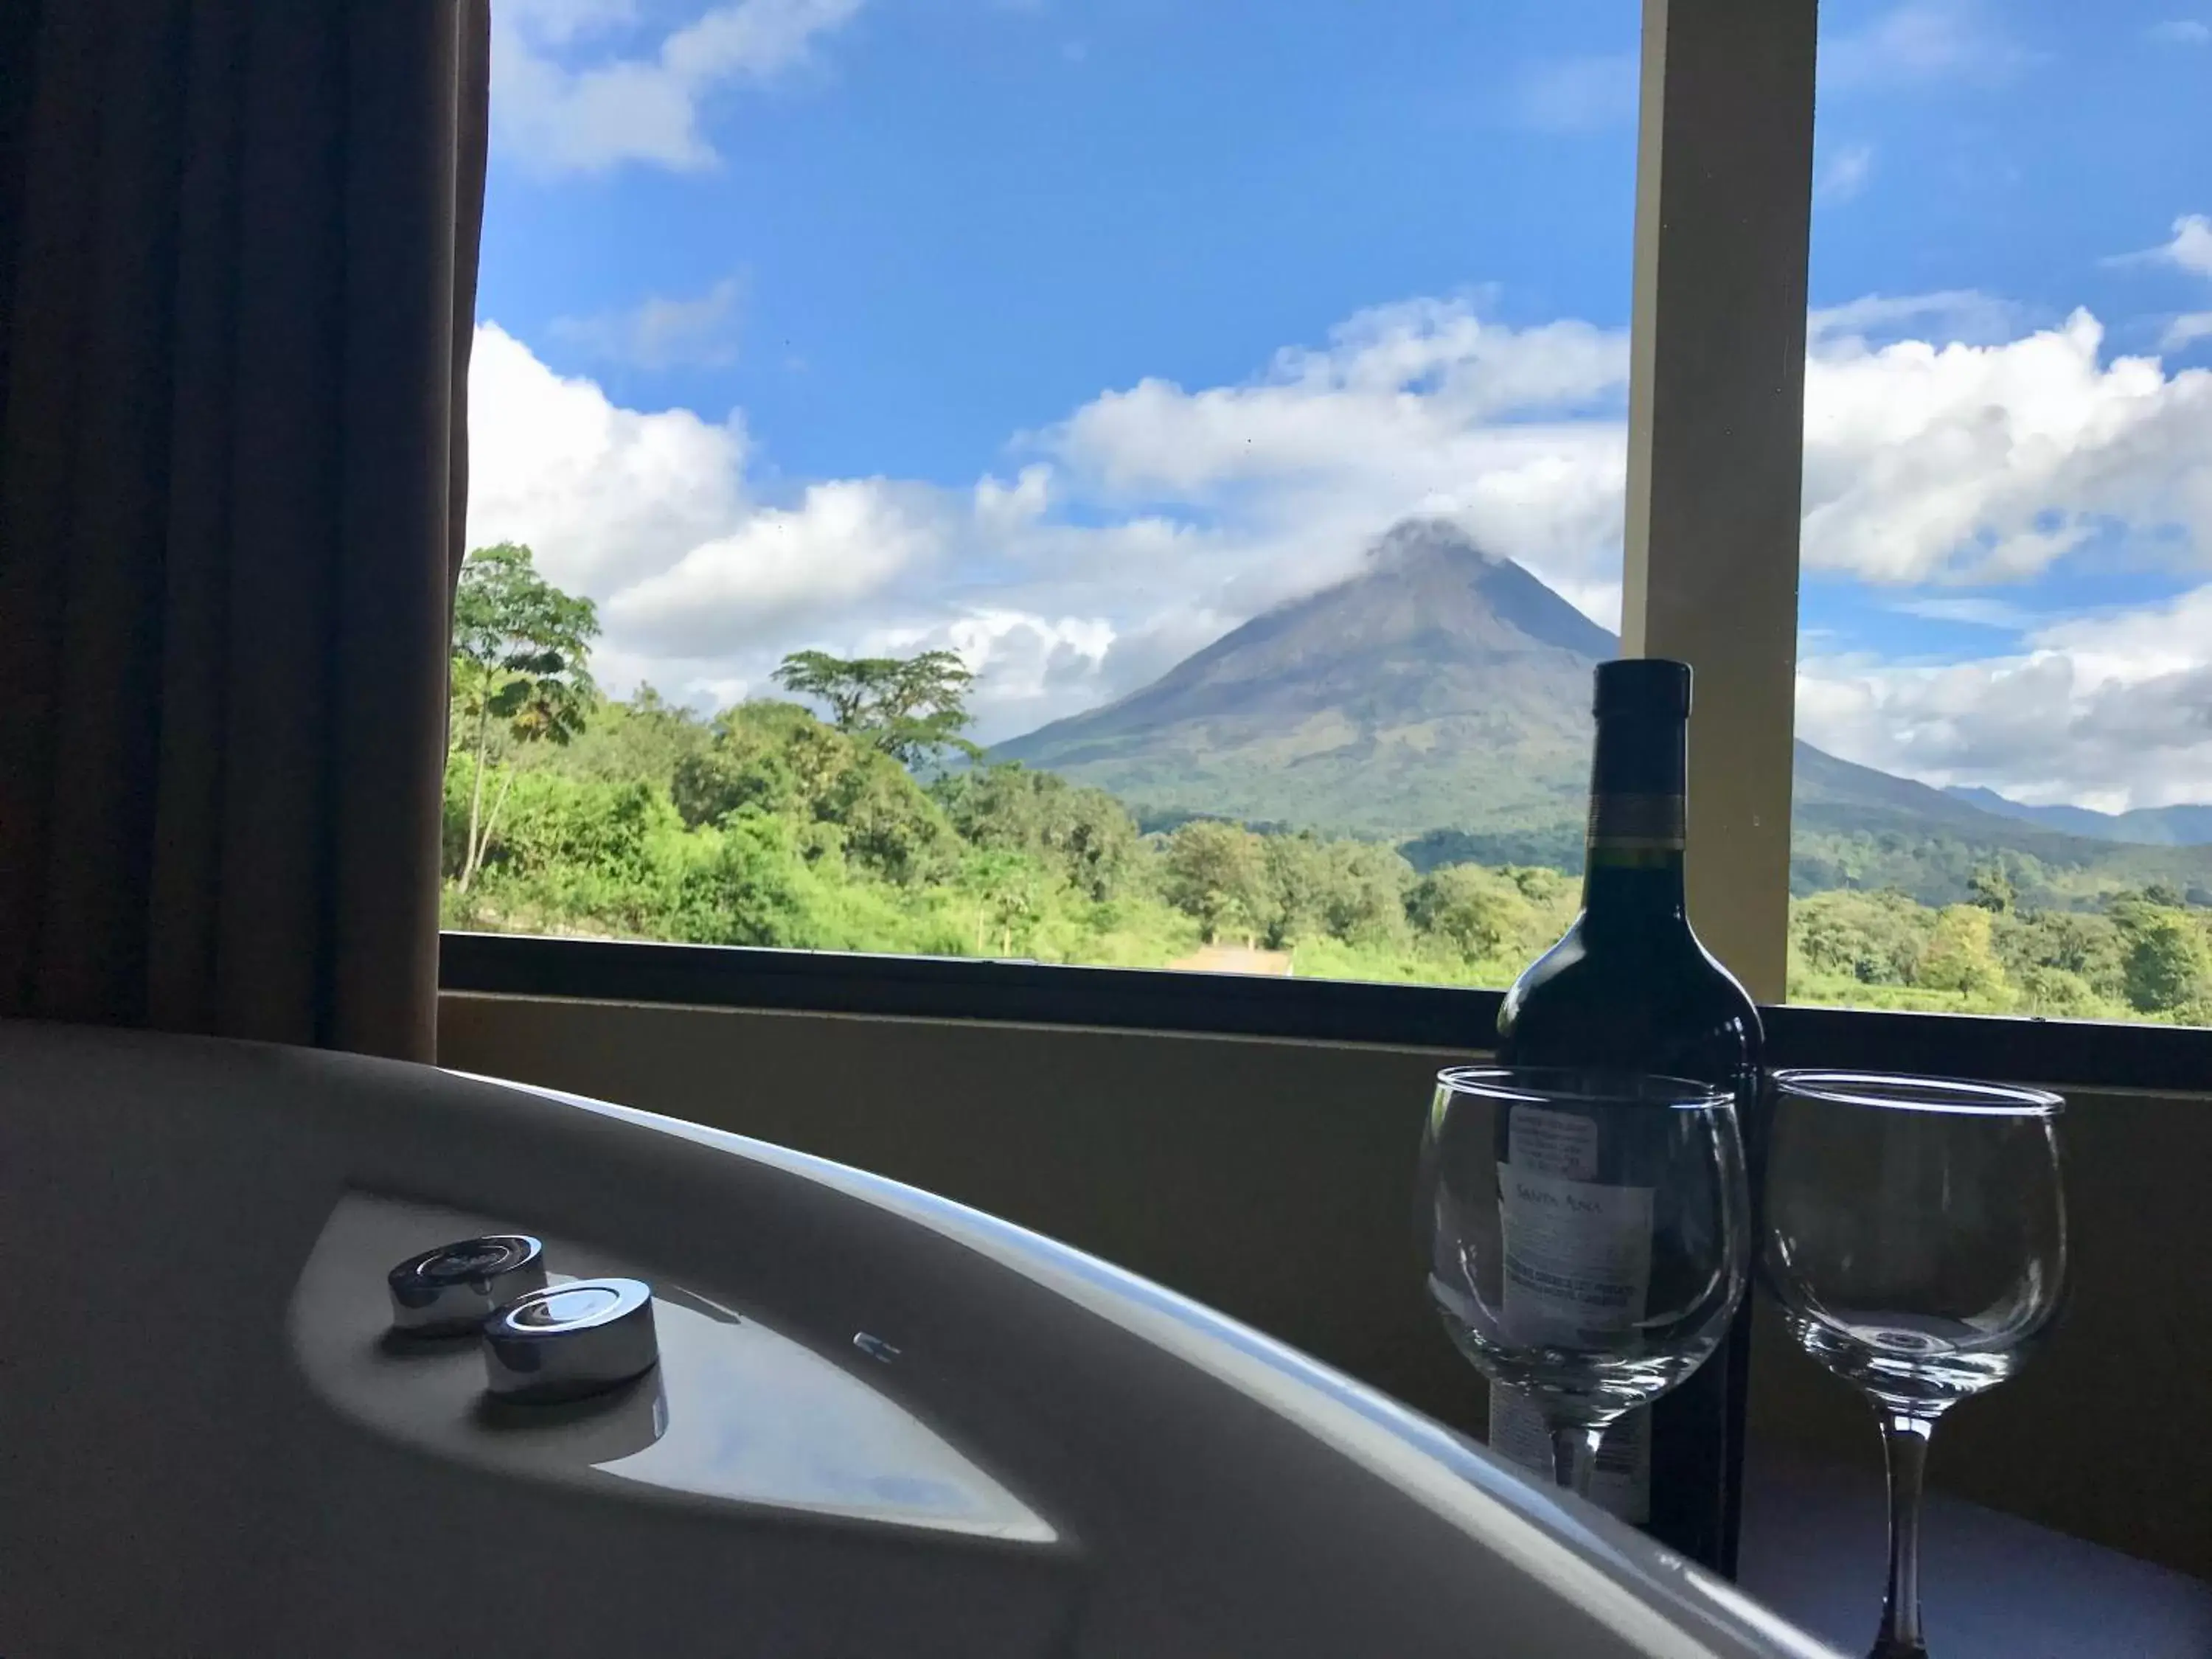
[
  {"x": 568, "y": 1340},
  {"x": 454, "y": 1288}
]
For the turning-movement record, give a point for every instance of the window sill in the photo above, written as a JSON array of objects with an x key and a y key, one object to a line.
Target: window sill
[{"x": 2078, "y": 1053}]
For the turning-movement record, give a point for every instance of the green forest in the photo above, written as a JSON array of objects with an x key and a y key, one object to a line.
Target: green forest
[{"x": 853, "y": 814}]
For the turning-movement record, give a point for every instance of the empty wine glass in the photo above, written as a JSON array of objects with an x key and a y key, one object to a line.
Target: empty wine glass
[
  {"x": 1587, "y": 1237},
  {"x": 1917, "y": 1242}
]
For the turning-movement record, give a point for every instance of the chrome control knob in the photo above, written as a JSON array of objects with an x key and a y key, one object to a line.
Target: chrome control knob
[
  {"x": 454, "y": 1288},
  {"x": 582, "y": 1337}
]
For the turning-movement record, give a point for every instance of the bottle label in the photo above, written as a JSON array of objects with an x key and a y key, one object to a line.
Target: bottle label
[
  {"x": 1577, "y": 1264},
  {"x": 1578, "y": 1251},
  {"x": 1627, "y": 823},
  {"x": 1621, "y": 1484}
]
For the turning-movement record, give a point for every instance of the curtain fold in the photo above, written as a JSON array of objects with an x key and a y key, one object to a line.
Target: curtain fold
[{"x": 237, "y": 248}]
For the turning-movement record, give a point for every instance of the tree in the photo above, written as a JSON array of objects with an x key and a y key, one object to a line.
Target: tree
[
  {"x": 2166, "y": 967},
  {"x": 1085, "y": 836},
  {"x": 1990, "y": 890},
  {"x": 1960, "y": 955},
  {"x": 2047, "y": 990},
  {"x": 1009, "y": 890},
  {"x": 1217, "y": 872},
  {"x": 520, "y": 648},
  {"x": 1468, "y": 908},
  {"x": 913, "y": 708},
  {"x": 1875, "y": 938},
  {"x": 775, "y": 758}
]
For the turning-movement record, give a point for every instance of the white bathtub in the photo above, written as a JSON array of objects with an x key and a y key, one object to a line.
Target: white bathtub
[{"x": 883, "y": 1424}]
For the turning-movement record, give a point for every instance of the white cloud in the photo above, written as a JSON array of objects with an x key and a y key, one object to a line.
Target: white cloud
[
  {"x": 1008, "y": 507},
  {"x": 2180, "y": 32},
  {"x": 1964, "y": 315},
  {"x": 1977, "y": 612},
  {"x": 1845, "y": 173},
  {"x": 1578, "y": 95},
  {"x": 843, "y": 543},
  {"x": 2111, "y": 712},
  {"x": 1153, "y": 518},
  {"x": 2190, "y": 248},
  {"x": 1918, "y": 42},
  {"x": 598, "y": 490},
  {"x": 557, "y": 110},
  {"x": 1424, "y": 406},
  {"x": 2185, "y": 331},
  {"x": 1964, "y": 463},
  {"x": 662, "y": 333}
]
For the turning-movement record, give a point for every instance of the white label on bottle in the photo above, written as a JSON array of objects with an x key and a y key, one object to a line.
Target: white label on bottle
[
  {"x": 1621, "y": 1486},
  {"x": 1578, "y": 1252},
  {"x": 1577, "y": 1263}
]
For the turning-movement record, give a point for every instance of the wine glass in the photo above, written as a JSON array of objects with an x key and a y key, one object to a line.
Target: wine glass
[
  {"x": 1915, "y": 1238},
  {"x": 1587, "y": 1237}
]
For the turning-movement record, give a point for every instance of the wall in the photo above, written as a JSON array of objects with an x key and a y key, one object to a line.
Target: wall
[{"x": 1273, "y": 1181}]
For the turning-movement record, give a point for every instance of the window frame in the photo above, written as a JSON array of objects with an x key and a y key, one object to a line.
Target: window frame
[
  {"x": 1716, "y": 441},
  {"x": 1449, "y": 1019}
]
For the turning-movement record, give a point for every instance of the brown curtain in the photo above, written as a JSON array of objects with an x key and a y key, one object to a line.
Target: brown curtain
[{"x": 238, "y": 244}]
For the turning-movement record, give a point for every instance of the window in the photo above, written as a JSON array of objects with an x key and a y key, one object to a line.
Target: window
[
  {"x": 2006, "y": 646},
  {"x": 1134, "y": 486}
]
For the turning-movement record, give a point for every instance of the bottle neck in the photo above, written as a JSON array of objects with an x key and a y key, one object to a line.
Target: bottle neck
[{"x": 1633, "y": 867}]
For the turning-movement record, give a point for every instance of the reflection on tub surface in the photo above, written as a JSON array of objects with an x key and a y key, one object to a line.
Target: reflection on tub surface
[{"x": 735, "y": 1412}]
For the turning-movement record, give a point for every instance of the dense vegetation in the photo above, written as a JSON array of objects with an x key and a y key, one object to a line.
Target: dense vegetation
[{"x": 879, "y": 829}]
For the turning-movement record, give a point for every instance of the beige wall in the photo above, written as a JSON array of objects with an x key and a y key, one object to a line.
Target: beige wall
[{"x": 1274, "y": 1179}]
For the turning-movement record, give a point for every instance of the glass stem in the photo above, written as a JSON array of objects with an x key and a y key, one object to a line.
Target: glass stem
[
  {"x": 1904, "y": 1449},
  {"x": 1574, "y": 1456}
]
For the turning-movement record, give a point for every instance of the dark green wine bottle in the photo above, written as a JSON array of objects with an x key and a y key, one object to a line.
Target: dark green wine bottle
[{"x": 1630, "y": 987}]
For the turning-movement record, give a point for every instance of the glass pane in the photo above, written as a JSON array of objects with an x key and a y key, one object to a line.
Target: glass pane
[
  {"x": 1132, "y": 484},
  {"x": 2006, "y": 654}
]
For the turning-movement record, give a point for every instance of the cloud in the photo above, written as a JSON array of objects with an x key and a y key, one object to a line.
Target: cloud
[
  {"x": 1578, "y": 95},
  {"x": 843, "y": 543},
  {"x": 659, "y": 333},
  {"x": 1964, "y": 463},
  {"x": 1975, "y": 612},
  {"x": 2184, "y": 331},
  {"x": 1846, "y": 174},
  {"x": 1424, "y": 406},
  {"x": 1920, "y": 42},
  {"x": 1965, "y": 315},
  {"x": 558, "y": 110},
  {"x": 2180, "y": 32},
  {"x": 1392, "y": 383},
  {"x": 2189, "y": 249},
  {"x": 598, "y": 491},
  {"x": 1154, "y": 517},
  {"x": 2113, "y": 712}
]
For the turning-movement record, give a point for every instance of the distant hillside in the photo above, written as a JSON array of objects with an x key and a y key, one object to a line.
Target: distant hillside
[
  {"x": 1440, "y": 698},
  {"x": 2146, "y": 826}
]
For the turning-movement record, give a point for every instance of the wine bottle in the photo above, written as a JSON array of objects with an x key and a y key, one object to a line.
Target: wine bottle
[{"x": 1629, "y": 987}]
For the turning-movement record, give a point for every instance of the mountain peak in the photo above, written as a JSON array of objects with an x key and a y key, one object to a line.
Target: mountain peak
[
  {"x": 1354, "y": 698},
  {"x": 1428, "y": 541}
]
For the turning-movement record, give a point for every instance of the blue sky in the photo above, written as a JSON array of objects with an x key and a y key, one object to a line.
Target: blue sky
[{"x": 1070, "y": 333}]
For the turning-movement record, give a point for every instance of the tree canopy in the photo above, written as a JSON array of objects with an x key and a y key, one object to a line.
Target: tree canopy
[
  {"x": 913, "y": 708},
  {"x": 761, "y": 823}
]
